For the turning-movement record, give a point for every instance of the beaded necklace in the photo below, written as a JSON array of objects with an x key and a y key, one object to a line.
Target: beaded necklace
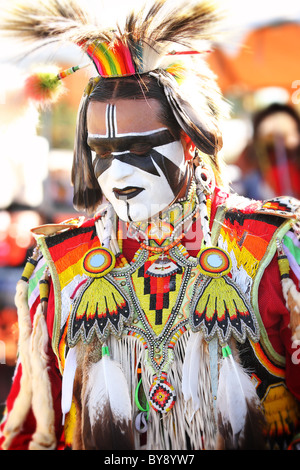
[{"x": 164, "y": 248}]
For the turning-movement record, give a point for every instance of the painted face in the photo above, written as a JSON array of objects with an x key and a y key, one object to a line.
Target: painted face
[{"x": 140, "y": 166}]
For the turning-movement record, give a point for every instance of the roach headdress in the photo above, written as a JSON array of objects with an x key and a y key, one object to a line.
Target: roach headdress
[{"x": 165, "y": 40}]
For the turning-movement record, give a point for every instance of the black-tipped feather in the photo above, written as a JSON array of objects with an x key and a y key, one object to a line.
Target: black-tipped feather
[{"x": 70, "y": 21}]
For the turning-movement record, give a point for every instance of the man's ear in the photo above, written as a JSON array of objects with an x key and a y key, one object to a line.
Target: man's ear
[{"x": 188, "y": 146}]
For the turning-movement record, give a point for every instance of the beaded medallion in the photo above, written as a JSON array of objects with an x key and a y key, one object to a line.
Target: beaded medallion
[
  {"x": 162, "y": 395},
  {"x": 214, "y": 262},
  {"x": 98, "y": 262}
]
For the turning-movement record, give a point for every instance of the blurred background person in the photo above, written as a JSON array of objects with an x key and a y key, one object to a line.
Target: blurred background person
[{"x": 270, "y": 163}]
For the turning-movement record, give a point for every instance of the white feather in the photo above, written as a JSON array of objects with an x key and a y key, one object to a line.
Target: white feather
[
  {"x": 190, "y": 370},
  {"x": 235, "y": 393},
  {"x": 107, "y": 386},
  {"x": 68, "y": 381}
]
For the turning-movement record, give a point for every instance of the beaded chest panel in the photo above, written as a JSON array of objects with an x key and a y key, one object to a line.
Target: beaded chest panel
[{"x": 160, "y": 304}]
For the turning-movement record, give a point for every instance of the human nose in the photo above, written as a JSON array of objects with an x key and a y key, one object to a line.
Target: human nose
[{"x": 120, "y": 170}]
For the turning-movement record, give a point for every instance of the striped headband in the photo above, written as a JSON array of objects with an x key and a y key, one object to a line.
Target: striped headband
[
  {"x": 111, "y": 60},
  {"x": 114, "y": 59}
]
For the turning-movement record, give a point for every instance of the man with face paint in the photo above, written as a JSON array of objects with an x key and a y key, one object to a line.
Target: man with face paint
[
  {"x": 168, "y": 319},
  {"x": 135, "y": 157}
]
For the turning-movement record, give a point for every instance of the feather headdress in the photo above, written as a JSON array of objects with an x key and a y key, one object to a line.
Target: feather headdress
[{"x": 140, "y": 46}]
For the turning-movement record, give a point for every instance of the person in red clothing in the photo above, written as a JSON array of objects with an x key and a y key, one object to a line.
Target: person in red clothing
[
  {"x": 271, "y": 162},
  {"x": 168, "y": 320}
]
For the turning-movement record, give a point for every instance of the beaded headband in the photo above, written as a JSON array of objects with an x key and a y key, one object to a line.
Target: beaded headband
[{"x": 111, "y": 60}]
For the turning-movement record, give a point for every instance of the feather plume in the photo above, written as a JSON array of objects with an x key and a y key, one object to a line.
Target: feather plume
[
  {"x": 240, "y": 418},
  {"x": 68, "y": 381},
  {"x": 190, "y": 370},
  {"x": 160, "y": 28},
  {"x": 107, "y": 407},
  {"x": 44, "y": 86}
]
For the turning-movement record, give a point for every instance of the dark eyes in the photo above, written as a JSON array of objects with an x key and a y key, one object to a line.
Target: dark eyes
[
  {"x": 103, "y": 155},
  {"x": 138, "y": 149}
]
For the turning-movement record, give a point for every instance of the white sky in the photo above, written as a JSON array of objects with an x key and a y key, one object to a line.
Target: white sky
[
  {"x": 246, "y": 14},
  {"x": 241, "y": 13}
]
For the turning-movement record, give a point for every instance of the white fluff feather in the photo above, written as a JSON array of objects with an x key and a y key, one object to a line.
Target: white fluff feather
[
  {"x": 108, "y": 416},
  {"x": 44, "y": 437},
  {"x": 68, "y": 381},
  {"x": 22, "y": 403},
  {"x": 190, "y": 370},
  {"x": 235, "y": 393},
  {"x": 108, "y": 387}
]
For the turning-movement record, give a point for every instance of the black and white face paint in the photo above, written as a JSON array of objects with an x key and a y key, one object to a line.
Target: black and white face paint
[{"x": 140, "y": 173}]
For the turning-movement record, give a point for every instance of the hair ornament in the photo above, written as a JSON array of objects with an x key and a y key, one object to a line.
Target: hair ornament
[
  {"x": 45, "y": 85},
  {"x": 205, "y": 178}
]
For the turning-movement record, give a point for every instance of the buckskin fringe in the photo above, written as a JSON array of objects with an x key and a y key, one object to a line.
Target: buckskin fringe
[{"x": 169, "y": 431}]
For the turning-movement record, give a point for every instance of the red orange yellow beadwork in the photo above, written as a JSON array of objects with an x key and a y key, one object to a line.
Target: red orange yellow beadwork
[{"x": 98, "y": 262}]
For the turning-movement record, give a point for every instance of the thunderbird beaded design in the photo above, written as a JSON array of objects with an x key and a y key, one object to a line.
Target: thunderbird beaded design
[
  {"x": 220, "y": 309},
  {"x": 100, "y": 308}
]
